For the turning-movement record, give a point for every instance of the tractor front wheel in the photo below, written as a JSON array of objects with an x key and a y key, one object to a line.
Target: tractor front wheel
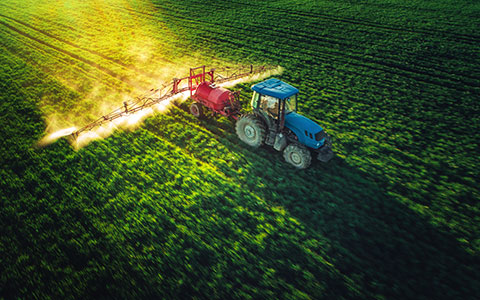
[
  {"x": 250, "y": 130},
  {"x": 196, "y": 110},
  {"x": 297, "y": 155}
]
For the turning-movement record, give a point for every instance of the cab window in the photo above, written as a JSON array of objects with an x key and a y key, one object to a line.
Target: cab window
[
  {"x": 255, "y": 100},
  {"x": 270, "y": 105},
  {"x": 291, "y": 103}
]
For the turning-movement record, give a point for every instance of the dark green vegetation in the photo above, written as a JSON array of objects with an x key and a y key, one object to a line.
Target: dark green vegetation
[{"x": 180, "y": 208}]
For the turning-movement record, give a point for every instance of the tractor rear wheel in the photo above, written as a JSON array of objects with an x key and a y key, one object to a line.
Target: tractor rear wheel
[
  {"x": 250, "y": 130},
  {"x": 196, "y": 110},
  {"x": 297, "y": 155}
]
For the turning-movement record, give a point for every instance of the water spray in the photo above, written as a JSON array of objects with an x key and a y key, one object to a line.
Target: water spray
[{"x": 135, "y": 111}]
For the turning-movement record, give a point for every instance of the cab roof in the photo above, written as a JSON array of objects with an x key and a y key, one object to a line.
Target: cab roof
[{"x": 275, "y": 88}]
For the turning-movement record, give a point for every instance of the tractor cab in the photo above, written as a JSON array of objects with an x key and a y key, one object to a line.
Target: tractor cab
[
  {"x": 274, "y": 121},
  {"x": 274, "y": 98}
]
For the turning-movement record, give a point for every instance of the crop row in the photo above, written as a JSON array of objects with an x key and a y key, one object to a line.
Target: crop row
[{"x": 181, "y": 207}]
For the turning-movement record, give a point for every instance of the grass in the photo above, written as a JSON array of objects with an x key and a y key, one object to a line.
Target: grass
[{"x": 180, "y": 208}]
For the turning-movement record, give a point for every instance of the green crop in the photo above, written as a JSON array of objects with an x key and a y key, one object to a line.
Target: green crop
[{"x": 181, "y": 209}]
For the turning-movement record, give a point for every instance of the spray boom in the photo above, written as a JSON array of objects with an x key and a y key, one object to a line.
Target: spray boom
[{"x": 190, "y": 83}]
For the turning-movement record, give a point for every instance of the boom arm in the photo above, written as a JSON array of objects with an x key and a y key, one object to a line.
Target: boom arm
[{"x": 155, "y": 96}]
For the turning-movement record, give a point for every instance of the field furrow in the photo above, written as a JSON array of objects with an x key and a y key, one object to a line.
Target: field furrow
[
  {"x": 311, "y": 57},
  {"x": 96, "y": 53},
  {"x": 283, "y": 38},
  {"x": 177, "y": 207},
  {"x": 71, "y": 54}
]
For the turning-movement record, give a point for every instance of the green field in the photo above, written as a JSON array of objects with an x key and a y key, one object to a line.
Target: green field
[{"x": 181, "y": 209}]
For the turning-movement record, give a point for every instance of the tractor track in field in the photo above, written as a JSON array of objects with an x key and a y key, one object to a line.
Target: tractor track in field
[
  {"x": 430, "y": 62},
  {"x": 469, "y": 38},
  {"x": 343, "y": 42},
  {"x": 68, "y": 53},
  {"x": 328, "y": 57},
  {"x": 390, "y": 5},
  {"x": 96, "y": 53},
  {"x": 132, "y": 12},
  {"x": 457, "y": 37},
  {"x": 348, "y": 42},
  {"x": 40, "y": 18},
  {"x": 141, "y": 13},
  {"x": 472, "y": 39},
  {"x": 129, "y": 10},
  {"x": 392, "y": 63},
  {"x": 62, "y": 61},
  {"x": 326, "y": 41},
  {"x": 358, "y": 43},
  {"x": 390, "y": 66},
  {"x": 259, "y": 28}
]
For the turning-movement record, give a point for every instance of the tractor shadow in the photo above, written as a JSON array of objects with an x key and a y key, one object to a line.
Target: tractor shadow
[
  {"x": 382, "y": 245},
  {"x": 385, "y": 246}
]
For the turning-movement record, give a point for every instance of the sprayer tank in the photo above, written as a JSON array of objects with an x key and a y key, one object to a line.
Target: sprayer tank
[{"x": 211, "y": 96}]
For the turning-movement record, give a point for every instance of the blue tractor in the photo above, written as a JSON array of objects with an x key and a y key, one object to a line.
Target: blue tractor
[{"x": 274, "y": 121}]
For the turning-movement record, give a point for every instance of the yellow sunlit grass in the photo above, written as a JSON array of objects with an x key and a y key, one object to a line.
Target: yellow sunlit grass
[{"x": 106, "y": 51}]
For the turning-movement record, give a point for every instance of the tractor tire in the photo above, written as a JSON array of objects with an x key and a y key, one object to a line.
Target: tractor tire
[
  {"x": 196, "y": 110},
  {"x": 298, "y": 156},
  {"x": 250, "y": 130}
]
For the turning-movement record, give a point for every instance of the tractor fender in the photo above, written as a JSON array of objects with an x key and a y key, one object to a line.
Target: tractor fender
[{"x": 265, "y": 119}]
